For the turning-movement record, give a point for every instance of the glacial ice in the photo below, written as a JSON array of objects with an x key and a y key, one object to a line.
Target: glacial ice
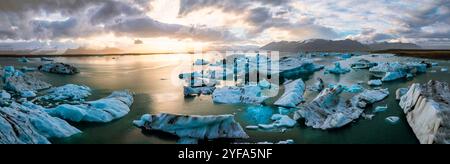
[
  {"x": 390, "y": 71},
  {"x": 328, "y": 110},
  {"x": 391, "y": 76},
  {"x": 59, "y": 68},
  {"x": 201, "y": 62},
  {"x": 363, "y": 64},
  {"x": 23, "y": 60},
  {"x": 192, "y": 91},
  {"x": 24, "y": 84},
  {"x": 338, "y": 69},
  {"x": 235, "y": 95},
  {"x": 104, "y": 110},
  {"x": 293, "y": 94},
  {"x": 192, "y": 126},
  {"x": 375, "y": 82},
  {"x": 444, "y": 69},
  {"x": 289, "y": 66},
  {"x": 28, "y": 124},
  {"x": 400, "y": 92},
  {"x": 427, "y": 111},
  {"x": 264, "y": 84},
  {"x": 379, "y": 109},
  {"x": 70, "y": 92},
  {"x": 392, "y": 119}
]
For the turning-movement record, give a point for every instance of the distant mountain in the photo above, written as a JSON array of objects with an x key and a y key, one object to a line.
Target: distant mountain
[
  {"x": 83, "y": 50},
  {"x": 314, "y": 45},
  {"x": 387, "y": 46},
  {"x": 321, "y": 45}
]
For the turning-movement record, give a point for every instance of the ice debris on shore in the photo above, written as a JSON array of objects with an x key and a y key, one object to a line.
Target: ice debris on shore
[
  {"x": 193, "y": 127},
  {"x": 427, "y": 111},
  {"x": 293, "y": 94},
  {"x": 28, "y": 124},
  {"x": 104, "y": 110},
  {"x": 328, "y": 110},
  {"x": 59, "y": 68}
]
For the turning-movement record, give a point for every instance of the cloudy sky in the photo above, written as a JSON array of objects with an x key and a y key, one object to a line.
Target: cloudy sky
[{"x": 180, "y": 25}]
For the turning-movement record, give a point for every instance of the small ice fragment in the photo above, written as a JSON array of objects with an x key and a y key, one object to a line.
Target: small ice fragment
[
  {"x": 392, "y": 119},
  {"x": 379, "y": 109},
  {"x": 375, "y": 82},
  {"x": 251, "y": 127}
]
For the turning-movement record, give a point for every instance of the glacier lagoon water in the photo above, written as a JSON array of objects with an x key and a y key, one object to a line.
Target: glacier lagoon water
[{"x": 149, "y": 77}]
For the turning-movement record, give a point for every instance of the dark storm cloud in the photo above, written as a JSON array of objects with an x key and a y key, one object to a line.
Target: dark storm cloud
[
  {"x": 81, "y": 18},
  {"x": 137, "y": 41}
]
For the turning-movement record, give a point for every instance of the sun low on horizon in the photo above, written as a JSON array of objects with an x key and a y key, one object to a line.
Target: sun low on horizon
[{"x": 160, "y": 26}]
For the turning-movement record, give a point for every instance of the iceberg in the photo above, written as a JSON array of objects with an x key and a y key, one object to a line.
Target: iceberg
[
  {"x": 236, "y": 95},
  {"x": 427, "y": 110},
  {"x": 28, "y": 124},
  {"x": 23, "y": 60},
  {"x": 293, "y": 94},
  {"x": 395, "y": 70},
  {"x": 400, "y": 92},
  {"x": 70, "y": 92},
  {"x": 27, "y": 69},
  {"x": 46, "y": 59},
  {"x": 289, "y": 66},
  {"x": 192, "y": 126},
  {"x": 264, "y": 84},
  {"x": 192, "y": 91},
  {"x": 391, "y": 76},
  {"x": 328, "y": 110},
  {"x": 4, "y": 95},
  {"x": 379, "y": 109},
  {"x": 318, "y": 86},
  {"x": 375, "y": 82},
  {"x": 392, "y": 120},
  {"x": 444, "y": 69},
  {"x": 280, "y": 121},
  {"x": 363, "y": 64},
  {"x": 104, "y": 110},
  {"x": 59, "y": 68},
  {"x": 338, "y": 69},
  {"x": 201, "y": 62},
  {"x": 25, "y": 84}
]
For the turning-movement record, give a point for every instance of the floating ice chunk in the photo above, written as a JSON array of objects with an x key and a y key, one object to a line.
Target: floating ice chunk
[
  {"x": 434, "y": 64},
  {"x": 379, "y": 109},
  {"x": 318, "y": 86},
  {"x": 427, "y": 110},
  {"x": 59, "y": 68},
  {"x": 346, "y": 56},
  {"x": 367, "y": 116},
  {"x": 251, "y": 127},
  {"x": 187, "y": 141},
  {"x": 46, "y": 59},
  {"x": 289, "y": 141},
  {"x": 289, "y": 66},
  {"x": 375, "y": 82},
  {"x": 192, "y": 126},
  {"x": 27, "y": 94},
  {"x": 28, "y": 69},
  {"x": 28, "y": 124},
  {"x": 444, "y": 69},
  {"x": 201, "y": 62},
  {"x": 293, "y": 94},
  {"x": 283, "y": 121},
  {"x": 266, "y": 126},
  {"x": 235, "y": 95},
  {"x": 68, "y": 92},
  {"x": 392, "y": 119},
  {"x": 264, "y": 84},
  {"x": 191, "y": 91},
  {"x": 338, "y": 69},
  {"x": 372, "y": 96},
  {"x": 363, "y": 64},
  {"x": 355, "y": 88},
  {"x": 391, "y": 76},
  {"x": 107, "y": 109},
  {"x": 417, "y": 67},
  {"x": 23, "y": 60},
  {"x": 400, "y": 92}
]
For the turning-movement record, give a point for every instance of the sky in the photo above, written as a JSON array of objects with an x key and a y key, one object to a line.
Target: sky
[{"x": 141, "y": 26}]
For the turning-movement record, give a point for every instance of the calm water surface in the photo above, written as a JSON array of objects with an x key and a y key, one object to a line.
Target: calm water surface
[{"x": 150, "y": 77}]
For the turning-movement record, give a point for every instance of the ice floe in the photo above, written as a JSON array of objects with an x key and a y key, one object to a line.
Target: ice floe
[
  {"x": 379, "y": 109},
  {"x": 338, "y": 69},
  {"x": 192, "y": 126},
  {"x": 107, "y": 109},
  {"x": 293, "y": 94},
  {"x": 289, "y": 66},
  {"x": 392, "y": 120},
  {"x": 427, "y": 110},
  {"x": 390, "y": 71},
  {"x": 375, "y": 82},
  {"x": 70, "y": 92},
  {"x": 25, "y": 84},
  {"x": 28, "y": 124},
  {"x": 363, "y": 64},
  {"x": 248, "y": 94},
  {"x": 59, "y": 68}
]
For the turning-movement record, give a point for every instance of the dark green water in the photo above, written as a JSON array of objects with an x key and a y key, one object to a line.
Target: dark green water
[{"x": 150, "y": 78}]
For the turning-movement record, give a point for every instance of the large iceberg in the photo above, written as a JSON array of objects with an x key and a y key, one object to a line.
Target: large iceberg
[
  {"x": 235, "y": 95},
  {"x": 107, "y": 109},
  {"x": 338, "y": 69},
  {"x": 25, "y": 84},
  {"x": 29, "y": 124},
  {"x": 291, "y": 66},
  {"x": 70, "y": 92},
  {"x": 192, "y": 126},
  {"x": 293, "y": 94},
  {"x": 59, "y": 68},
  {"x": 427, "y": 111},
  {"x": 390, "y": 71},
  {"x": 329, "y": 110}
]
